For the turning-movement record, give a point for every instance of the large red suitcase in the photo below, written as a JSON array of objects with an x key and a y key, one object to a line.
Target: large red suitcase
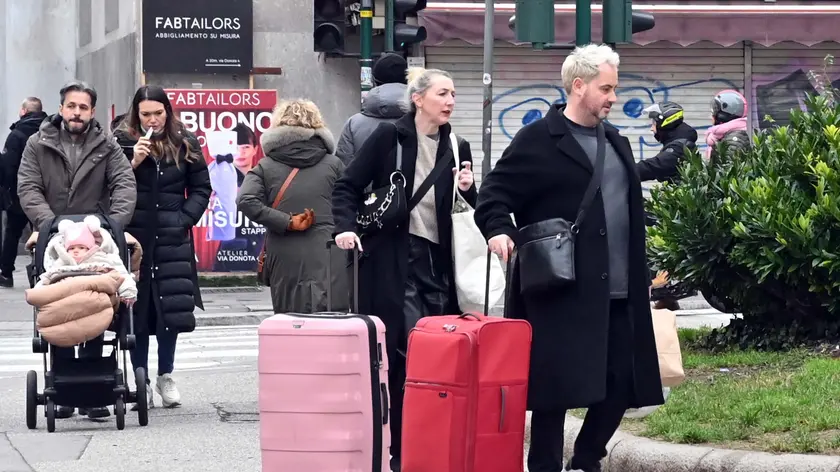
[{"x": 466, "y": 394}]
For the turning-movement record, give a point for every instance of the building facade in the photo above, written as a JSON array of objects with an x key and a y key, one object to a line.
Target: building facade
[
  {"x": 686, "y": 58},
  {"x": 48, "y": 42}
]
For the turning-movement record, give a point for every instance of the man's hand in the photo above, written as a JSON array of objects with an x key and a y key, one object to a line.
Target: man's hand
[
  {"x": 502, "y": 246},
  {"x": 32, "y": 241}
]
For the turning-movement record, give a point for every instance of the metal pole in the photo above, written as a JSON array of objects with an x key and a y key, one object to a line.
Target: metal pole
[
  {"x": 389, "y": 25},
  {"x": 366, "y": 63},
  {"x": 487, "y": 80},
  {"x": 583, "y": 22}
]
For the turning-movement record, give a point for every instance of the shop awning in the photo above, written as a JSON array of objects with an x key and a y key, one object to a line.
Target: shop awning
[{"x": 764, "y": 24}]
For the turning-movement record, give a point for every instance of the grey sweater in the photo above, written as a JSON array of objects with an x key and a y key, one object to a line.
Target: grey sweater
[
  {"x": 615, "y": 191},
  {"x": 423, "y": 218}
]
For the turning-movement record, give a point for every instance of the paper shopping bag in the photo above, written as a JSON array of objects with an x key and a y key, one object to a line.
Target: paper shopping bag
[{"x": 668, "y": 347}]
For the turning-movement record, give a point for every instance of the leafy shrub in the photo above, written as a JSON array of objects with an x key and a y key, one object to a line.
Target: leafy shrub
[{"x": 761, "y": 230}]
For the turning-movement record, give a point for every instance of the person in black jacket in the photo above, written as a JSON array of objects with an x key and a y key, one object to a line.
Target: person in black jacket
[
  {"x": 31, "y": 117},
  {"x": 405, "y": 271},
  {"x": 676, "y": 136},
  {"x": 669, "y": 128},
  {"x": 173, "y": 189},
  {"x": 593, "y": 344}
]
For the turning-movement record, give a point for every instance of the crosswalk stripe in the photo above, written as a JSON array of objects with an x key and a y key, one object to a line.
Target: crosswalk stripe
[{"x": 201, "y": 349}]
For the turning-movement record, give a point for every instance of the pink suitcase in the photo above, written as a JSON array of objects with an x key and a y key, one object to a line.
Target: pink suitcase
[{"x": 323, "y": 392}]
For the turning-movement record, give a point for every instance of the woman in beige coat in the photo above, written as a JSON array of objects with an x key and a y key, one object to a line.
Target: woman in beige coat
[{"x": 299, "y": 152}]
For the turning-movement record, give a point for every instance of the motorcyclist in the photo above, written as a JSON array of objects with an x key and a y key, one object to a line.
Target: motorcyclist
[
  {"x": 669, "y": 128},
  {"x": 729, "y": 116}
]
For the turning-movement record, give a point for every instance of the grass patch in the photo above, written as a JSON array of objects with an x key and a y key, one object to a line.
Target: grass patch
[{"x": 768, "y": 401}]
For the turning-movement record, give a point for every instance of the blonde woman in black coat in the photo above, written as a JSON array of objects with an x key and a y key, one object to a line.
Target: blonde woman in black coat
[{"x": 406, "y": 272}]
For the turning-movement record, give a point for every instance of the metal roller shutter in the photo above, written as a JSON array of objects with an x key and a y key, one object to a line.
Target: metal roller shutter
[
  {"x": 780, "y": 78},
  {"x": 664, "y": 71},
  {"x": 527, "y": 82}
]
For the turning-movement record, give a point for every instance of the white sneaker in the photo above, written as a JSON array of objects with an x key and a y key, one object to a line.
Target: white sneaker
[
  {"x": 169, "y": 395},
  {"x": 150, "y": 398}
]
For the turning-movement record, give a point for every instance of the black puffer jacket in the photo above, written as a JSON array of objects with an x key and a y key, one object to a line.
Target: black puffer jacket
[
  {"x": 665, "y": 166},
  {"x": 13, "y": 151},
  {"x": 170, "y": 201}
]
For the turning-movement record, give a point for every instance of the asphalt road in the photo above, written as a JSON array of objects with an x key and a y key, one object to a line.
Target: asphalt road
[{"x": 216, "y": 429}]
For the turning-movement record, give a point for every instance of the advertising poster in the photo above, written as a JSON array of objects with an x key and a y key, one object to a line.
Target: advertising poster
[
  {"x": 204, "y": 36},
  {"x": 228, "y": 124}
]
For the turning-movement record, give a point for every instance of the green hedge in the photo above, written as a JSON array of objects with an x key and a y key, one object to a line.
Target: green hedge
[{"x": 762, "y": 230}]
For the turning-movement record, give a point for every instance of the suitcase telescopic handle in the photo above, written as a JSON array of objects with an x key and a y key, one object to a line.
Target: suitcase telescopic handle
[
  {"x": 330, "y": 245},
  {"x": 487, "y": 281}
]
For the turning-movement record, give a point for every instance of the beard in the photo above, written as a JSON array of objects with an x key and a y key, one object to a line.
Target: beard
[{"x": 76, "y": 126}]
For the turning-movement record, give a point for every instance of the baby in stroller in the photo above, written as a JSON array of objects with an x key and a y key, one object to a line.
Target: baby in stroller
[{"x": 83, "y": 283}]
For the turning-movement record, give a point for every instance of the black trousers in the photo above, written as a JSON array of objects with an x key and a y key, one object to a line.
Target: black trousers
[
  {"x": 15, "y": 223},
  {"x": 426, "y": 294},
  {"x": 602, "y": 419}
]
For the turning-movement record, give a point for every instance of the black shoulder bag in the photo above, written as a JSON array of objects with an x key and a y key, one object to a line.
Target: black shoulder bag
[
  {"x": 547, "y": 256},
  {"x": 386, "y": 207}
]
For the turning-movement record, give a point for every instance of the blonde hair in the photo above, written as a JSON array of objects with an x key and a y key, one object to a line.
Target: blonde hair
[
  {"x": 584, "y": 62},
  {"x": 419, "y": 81},
  {"x": 299, "y": 112}
]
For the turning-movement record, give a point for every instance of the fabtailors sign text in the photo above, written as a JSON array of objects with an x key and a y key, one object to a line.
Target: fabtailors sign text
[{"x": 201, "y": 36}]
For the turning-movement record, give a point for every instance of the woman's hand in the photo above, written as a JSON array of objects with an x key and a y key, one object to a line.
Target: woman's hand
[
  {"x": 465, "y": 176},
  {"x": 141, "y": 151},
  {"x": 348, "y": 240}
]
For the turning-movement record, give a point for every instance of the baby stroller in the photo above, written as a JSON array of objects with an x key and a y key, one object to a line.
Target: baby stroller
[{"x": 85, "y": 383}]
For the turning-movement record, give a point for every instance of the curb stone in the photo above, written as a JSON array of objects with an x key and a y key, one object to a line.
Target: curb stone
[
  {"x": 629, "y": 453},
  {"x": 252, "y": 318}
]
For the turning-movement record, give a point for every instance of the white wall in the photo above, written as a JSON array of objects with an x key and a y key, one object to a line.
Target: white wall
[{"x": 37, "y": 53}]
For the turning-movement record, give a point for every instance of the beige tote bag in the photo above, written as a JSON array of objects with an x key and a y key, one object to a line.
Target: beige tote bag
[{"x": 668, "y": 347}]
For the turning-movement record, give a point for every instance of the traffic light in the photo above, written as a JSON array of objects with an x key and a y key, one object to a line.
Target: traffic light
[
  {"x": 330, "y": 25},
  {"x": 534, "y": 21},
  {"x": 641, "y": 21},
  {"x": 621, "y": 22},
  {"x": 405, "y": 34}
]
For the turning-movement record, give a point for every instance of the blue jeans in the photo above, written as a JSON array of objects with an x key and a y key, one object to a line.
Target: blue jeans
[{"x": 166, "y": 353}]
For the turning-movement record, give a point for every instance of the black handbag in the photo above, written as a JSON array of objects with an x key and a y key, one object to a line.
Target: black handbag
[
  {"x": 384, "y": 207},
  {"x": 547, "y": 256}
]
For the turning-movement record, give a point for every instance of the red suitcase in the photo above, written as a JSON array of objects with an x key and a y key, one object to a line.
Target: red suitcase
[{"x": 465, "y": 394}]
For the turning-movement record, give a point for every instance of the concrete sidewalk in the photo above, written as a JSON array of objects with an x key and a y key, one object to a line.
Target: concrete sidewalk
[{"x": 250, "y": 305}]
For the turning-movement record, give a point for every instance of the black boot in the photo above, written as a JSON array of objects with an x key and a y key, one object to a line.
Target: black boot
[
  {"x": 64, "y": 412},
  {"x": 95, "y": 413},
  {"x": 577, "y": 467},
  {"x": 6, "y": 281}
]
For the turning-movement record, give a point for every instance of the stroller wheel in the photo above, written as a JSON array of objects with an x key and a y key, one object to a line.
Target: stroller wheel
[
  {"x": 50, "y": 407},
  {"x": 31, "y": 399},
  {"x": 141, "y": 398},
  {"x": 119, "y": 411}
]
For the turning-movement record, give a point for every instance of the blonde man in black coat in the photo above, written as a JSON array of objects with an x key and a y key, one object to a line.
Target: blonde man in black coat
[{"x": 593, "y": 343}]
